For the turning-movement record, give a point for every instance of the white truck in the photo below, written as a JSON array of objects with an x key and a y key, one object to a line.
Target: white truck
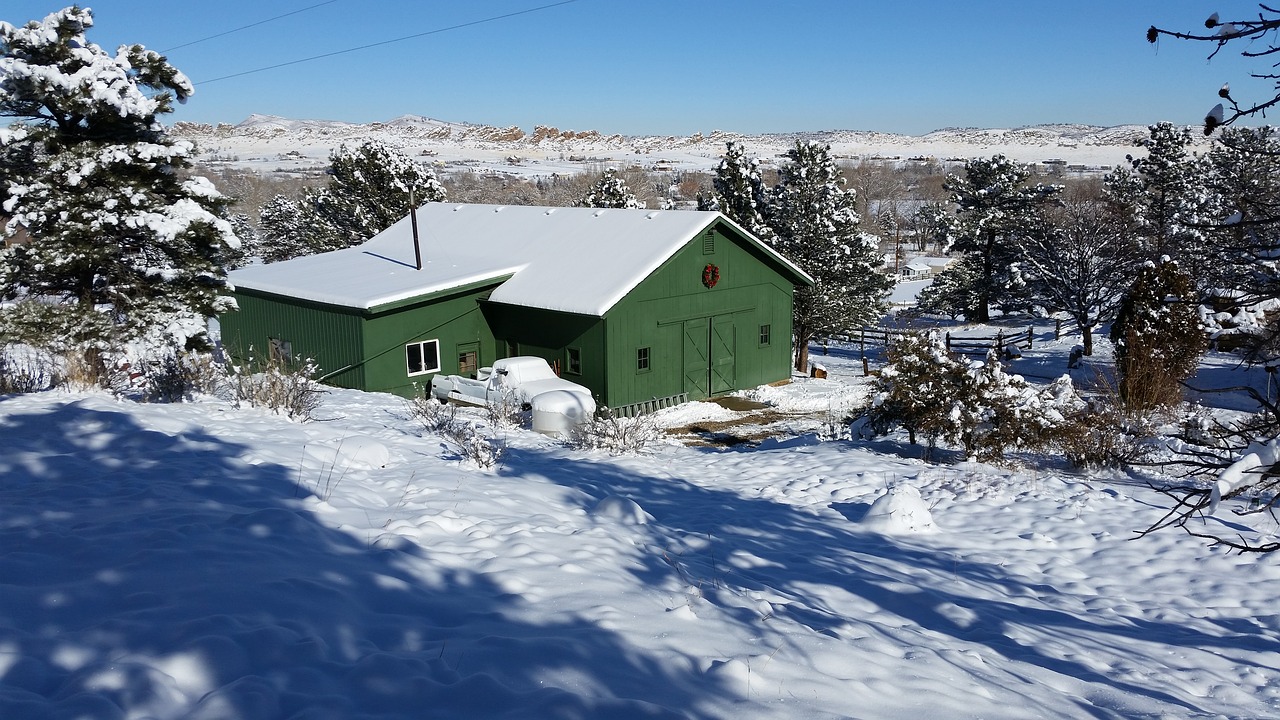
[{"x": 557, "y": 404}]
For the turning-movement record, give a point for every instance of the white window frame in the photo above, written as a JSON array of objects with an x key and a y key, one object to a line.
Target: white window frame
[{"x": 422, "y": 345}]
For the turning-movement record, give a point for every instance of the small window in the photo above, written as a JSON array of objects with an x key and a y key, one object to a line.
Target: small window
[
  {"x": 280, "y": 351},
  {"x": 468, "y": 363},
  {"x": 573, "y": 361},
  {"x": 423, "y": 357},
  {"x": 766, "y": 334},
  {"x": 642, "y": 359}
]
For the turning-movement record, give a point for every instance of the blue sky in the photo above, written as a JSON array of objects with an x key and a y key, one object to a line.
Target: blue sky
[{"x": 685, "y": 66}]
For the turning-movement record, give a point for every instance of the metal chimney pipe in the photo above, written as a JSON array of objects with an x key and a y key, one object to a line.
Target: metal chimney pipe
[{"x": 413, "y": 220}]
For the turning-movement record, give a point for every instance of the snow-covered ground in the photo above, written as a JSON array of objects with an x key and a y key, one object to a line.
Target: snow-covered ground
[{"x": 200, "y": 561}]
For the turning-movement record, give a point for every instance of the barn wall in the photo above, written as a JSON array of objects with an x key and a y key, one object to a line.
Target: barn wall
[
  {"x": 328, "y": 334},
  {"x": 675, "y": 316},
  {"x": 454, "y": 320}
]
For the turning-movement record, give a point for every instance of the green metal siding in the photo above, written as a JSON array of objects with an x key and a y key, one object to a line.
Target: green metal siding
[
  {"x": 329, "y": 334},
  {"x": 704, "y": 341},
  {"x": 454, "y": 320},
  {"x": 549, "y": 334},
  {"x": 355, "y": 348}
]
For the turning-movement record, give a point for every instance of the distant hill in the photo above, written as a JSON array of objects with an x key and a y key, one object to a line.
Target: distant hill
[{"x": 270, "y": 143}]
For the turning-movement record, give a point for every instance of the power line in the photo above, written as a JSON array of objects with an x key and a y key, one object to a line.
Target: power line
[
  {"x": 388, "y": 42},
  {"x": 246, "y": 27}
]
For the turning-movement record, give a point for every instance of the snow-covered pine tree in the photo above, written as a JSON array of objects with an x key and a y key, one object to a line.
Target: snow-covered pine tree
[
  {"x": 977, "y": 405},
  {"x": 995, "y": 211},
  {"x": 123, "y": 240},
  {"x": 916, "y": 387},
  {"x": 739, "y": 192},
  {"x": 370, "y": 188},
  {"x": 815, "y": 224},
  {"x": 954, "y": 291},
  {"x": 1242, "y": 225},
  {"x": 1158, "y": 337},
  {"x": 610, "y": 191},
  {"x": 250, "y": 243},
  {"x": 285, "y": 231},
  {"x": 1167, "y": 199}
]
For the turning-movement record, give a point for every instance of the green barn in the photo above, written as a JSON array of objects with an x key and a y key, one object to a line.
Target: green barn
[{"x": 644, "y": 307}]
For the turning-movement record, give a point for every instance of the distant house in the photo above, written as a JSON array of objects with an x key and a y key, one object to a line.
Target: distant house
[
  {"x": 924, "y": 267},
  {"x": 915, "y": 270},
  {"x": 637, "y": 305}
]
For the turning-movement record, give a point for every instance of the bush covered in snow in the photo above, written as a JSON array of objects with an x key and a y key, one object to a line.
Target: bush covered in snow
[
  {"x": 23, "y": 369},
  {"x": 474, "y": 444},
  {"x": 1158, "y": 337},
  {"x": 974, "y": 404},
  {"x": 180, "y": 375},
  {"x": 434, "y": 415},
  {"x": 285, "y": 388},
  {"x": 616, "y": 435},
  {"x": 469, "y": 439}
]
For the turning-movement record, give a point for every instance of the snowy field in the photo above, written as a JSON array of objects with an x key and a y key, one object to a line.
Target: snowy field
[{"x": 199, "y": 561}]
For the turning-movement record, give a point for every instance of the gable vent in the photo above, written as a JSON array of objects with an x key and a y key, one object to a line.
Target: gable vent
[{"x": 708, "y": 242}]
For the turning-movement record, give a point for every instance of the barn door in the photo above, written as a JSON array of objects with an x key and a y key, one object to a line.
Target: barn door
[
  {"x": 697, "y": 357},
  {"x": 722, "y": 355}
]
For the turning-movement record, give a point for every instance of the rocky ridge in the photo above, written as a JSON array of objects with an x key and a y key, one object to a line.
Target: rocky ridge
[{"x": 257, "y": 137}]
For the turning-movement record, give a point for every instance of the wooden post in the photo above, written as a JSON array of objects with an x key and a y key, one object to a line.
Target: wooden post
[
  {"x": 1057, "y": 329},
  {"x": 1030, "y": 335},
  {"x": 866, "y": 369},
  {"x": 1000, "y": 342},
  {"x": 948, "y": 341}
]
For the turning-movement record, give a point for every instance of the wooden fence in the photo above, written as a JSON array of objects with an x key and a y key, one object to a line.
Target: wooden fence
[
  {"x": 964, "y": 345},
  {"x": 1001, "y": 342}
]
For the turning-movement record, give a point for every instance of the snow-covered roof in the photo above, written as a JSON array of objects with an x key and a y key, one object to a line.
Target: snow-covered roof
[{"x": 578, "y": 260}]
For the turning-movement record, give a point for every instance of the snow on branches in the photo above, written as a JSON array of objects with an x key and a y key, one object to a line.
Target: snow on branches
[
  {"x": 122, "y": 243},
  {"x": 928, "y": 391}
]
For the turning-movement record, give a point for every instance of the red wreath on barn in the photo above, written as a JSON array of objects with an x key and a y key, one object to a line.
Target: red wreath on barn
[{"x": 710, "y": 275}]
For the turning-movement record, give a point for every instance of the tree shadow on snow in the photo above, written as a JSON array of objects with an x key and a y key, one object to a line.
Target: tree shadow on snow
[
  {"x": 147, "y": 574},
  {"x": 799, "y": 550}
]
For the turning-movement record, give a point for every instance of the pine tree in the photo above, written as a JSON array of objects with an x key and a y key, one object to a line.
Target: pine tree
[
  {"x": 1242, "y": 224},
  {"x": 916, "y": 387},
  {"x": 954, "y": 291},
  {"x": 739, "y": 192},
  {"x": 250, "y": 243},
  {"x": 977, "y": 405},
  {"x": 815, "y": 225},
  {"x": 123, "y": 241},
  {"x": 1158, "y": 337},
  {"x": 286, "y": 233},
  {"x": 1166, "y": 197},
  {"x": 996, "y": 211},
  {"x": 610, "y": 191},
  {"x": 371, "y": 187}
]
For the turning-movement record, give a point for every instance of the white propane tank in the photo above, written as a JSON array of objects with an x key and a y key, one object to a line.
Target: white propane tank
[{"x": 558, "y": 411}]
